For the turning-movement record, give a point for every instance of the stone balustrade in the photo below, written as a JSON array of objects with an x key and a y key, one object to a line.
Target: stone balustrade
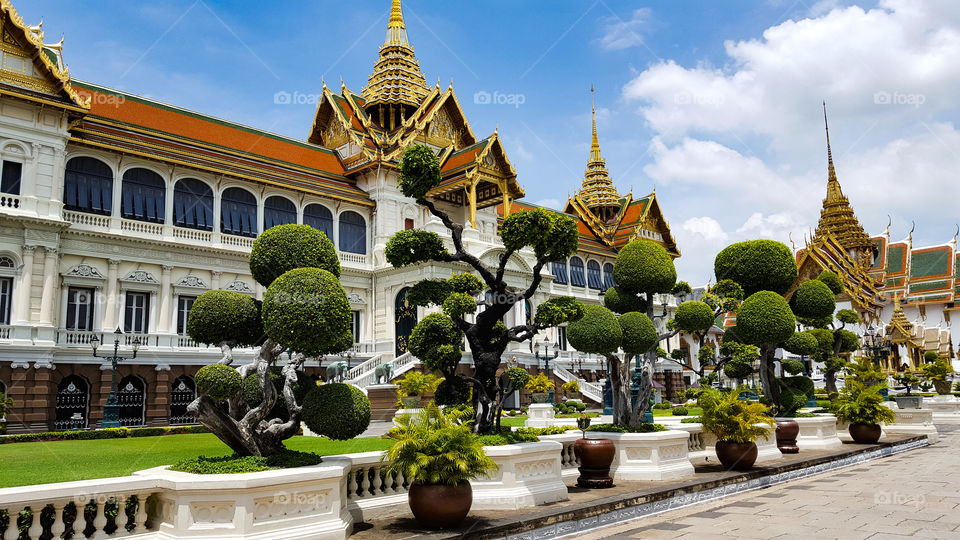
[{"x": 818, "y": 433}]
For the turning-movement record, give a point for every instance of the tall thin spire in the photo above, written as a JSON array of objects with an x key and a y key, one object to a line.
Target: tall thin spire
[
  {"x": 595, "y": 144},
  {"x": 396, "y": 29},
  {"x": 396, "y": 86},
  {"x": 598, "y": 192}
]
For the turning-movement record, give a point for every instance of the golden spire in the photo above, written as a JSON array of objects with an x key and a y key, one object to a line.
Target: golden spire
[
  {"x": 396, "y": 79},
  {"x": 598, "y": 192},
  {"x": 837, "y": 217}
]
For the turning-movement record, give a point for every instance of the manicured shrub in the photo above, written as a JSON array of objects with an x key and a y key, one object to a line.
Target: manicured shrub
[
  {"x": 307, "y": 311},
  {"x": 644, "y": 266},
  {"x": 791, "y": 366},
  {"x": 765, "y": 319},
  {"x": 218, "y": 381},
  {"x": 519, "y": 377},
  {"x": 581, "y": 406},
  {"x": 235, "y": 464},
  {"x": 639, "y": 333},
  {"x": 813, "y": 299},
  {"x": 282, "y": 248},
  {"x": 802, "y": 343},
  {"x": 336, "y": 410},
  {"x": 428, "y": 292},
  {"x": 737, "y": 370},
  {"x": 459, "y": 304},
  {"x": 694, "y": 316},
  {"x": 553, "y": 236},
  {"x": 452, "y": 391},
  {"x": 619, "y": 300},
  {"x": 831, "y": 280},
  {"x": 465, "y": 283},
  {"x": 757, "y": 265},
  {"x": 414, "y": 246},
  {"x": 680, "y": 411},
  {"x": 225, "y": 316},
  {"x": 558, "y": 310},
  {"x": 614, "y": 428},
  {"x": 598, "y": 331},
  {"x": 794, "y": 393},
  {"x": 437, "y": 342}
]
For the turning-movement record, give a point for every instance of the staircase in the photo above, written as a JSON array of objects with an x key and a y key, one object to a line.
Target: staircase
[
  {"x": 590, "y": 390},
  {"x": 365, "y": 374}
]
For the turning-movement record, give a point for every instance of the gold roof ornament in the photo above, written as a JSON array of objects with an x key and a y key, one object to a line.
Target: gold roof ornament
[
  {"x": 396, "y": 78},
  {"x": 598, "y": 192},
  {"x": 837, "y": 217}
]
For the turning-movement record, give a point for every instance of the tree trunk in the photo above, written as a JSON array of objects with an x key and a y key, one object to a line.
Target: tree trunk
[
  {"x": 768, "y": 376},
  {"x": 620, "y": 381},
  {"x": 830, "y": 381}
]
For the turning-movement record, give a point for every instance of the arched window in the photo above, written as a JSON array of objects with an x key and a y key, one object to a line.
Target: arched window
[
  {"x": 576, "y": 272},
  {"x": 72, "y": 405},
  {"x": 320, "y": 218},
  {"x": 278, "y": 211},
  {"x": 560, "y": 271},
  {"x": 238, "y": 212},
  {"x": 88, "y": 186},
  {"x": 593, "y": 275},
  {"x": 142, "y": 195},
  {"x": 353, "y": 233},
  {"x": 608, "y": 276},
  {"x": 193, "y": 205}
]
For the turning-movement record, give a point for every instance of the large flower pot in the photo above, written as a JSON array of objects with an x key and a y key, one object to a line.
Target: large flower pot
[
  {"x": 865, "y": 433},
  {"x": 942, "y": 387},
  {"x": 540, "y": 397},
  {"x": 595, "y": 457},
  {"x": 736, "y": 456},
  {"x": 440, "y": 506},
  {"x": 909, "y": 402},
  {"x": 410, "y": 402},
  {"x": 787, "y": 431}
]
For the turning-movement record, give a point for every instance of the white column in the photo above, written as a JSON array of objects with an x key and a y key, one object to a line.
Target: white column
[
  {"x": 215, "y": 280},
  {"x": 112, "y": 299},
  {"x": 49, "y": 286},
  {"x": 164, "y": 324},
  {"x": 22, "y": 310},
  {"x": 168, "y": 208}
]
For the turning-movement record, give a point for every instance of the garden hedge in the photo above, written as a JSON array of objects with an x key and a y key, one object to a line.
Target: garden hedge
[
  {"x": 339, "y": 411},
  {"x": 108, "y": 433}
]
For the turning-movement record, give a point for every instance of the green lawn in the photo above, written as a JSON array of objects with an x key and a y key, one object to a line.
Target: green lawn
[
  {"x": 693, "y": 411},
  {"x": 63, "y": 461}
]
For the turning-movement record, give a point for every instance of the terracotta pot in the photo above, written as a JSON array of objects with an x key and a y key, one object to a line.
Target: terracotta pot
[
  {"x": 540, "y": 397},
  {"x": 865, "y": 433},
  {"x": 595, "y": 457},
  {"x": 942, "y": 387},
  {"x": 440, "y": 506},
  {"x": 787, "y": 431},
  {"x": 736, "y": 456}
]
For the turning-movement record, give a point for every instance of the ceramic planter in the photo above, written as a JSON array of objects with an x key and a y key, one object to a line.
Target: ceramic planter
[
  {"x": 942, "y": 387},
  {"x": 909, "y": 402},
  {"x": 736, "y": 456},
  {"x": 440, "y": 506},
  {"x": 787, "y": 431},
  {"x": 865, "y": 433},
  {"x": 540, "y": 397},
  {"x": 410, "y": 402},
  {"x": 595, "y": 457}
]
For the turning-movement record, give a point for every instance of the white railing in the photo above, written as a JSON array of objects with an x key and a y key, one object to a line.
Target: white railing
[
  {"x": 192, "y": 235},
  {"x": 242, "y": 242},
  {"x": 77, "y": 337},
  {"x": 141, "y": 227},
  {"x": 588, "y": 389},
  {"x": 9, "y": 201},
  {"x": 368, "y": 375},
  {"x": 128, "y": 495},
  {"x": 369, "y": 478},
  {"x": 5, "y": 332},
  {"x": 87, "y": 220},
  {"x": 363, "y": 347},
  {"x": 365, "y": 367},
  {"x": 358, "y": 258}
]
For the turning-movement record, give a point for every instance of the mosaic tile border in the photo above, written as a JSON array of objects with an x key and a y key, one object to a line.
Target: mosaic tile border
[{"x": 568, "y": 528}]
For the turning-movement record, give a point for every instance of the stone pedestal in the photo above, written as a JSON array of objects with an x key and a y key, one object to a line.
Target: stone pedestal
[
  {"x": 662, "y": 455},
  {"x": 818, "y": 433},
  {"x": 946, "y": 408},
  {"x": 912, "y": 422},
  {"x": 540, "y": 415},
  {"x": 528, "y": 475}
]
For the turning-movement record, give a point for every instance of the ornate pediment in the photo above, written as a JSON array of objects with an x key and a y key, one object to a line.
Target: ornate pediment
[
  {"x": 84, "y": 270},
  {"x": 141, "y": 276},
  {"x": 191, "y": 281},
  {"x": 240, "y": 286},
  {"x": 355, "y": 298}
]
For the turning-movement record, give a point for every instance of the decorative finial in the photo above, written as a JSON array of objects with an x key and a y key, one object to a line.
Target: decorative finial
[
  {"x": 831, "y": 172},
  {"x": 913, "y": 227},
  {"x": 792, "y": 244},
  {"x": 451, "y": 83},
  {"x": 886, "y": 231},
  {"x": 955, "y": 235}
]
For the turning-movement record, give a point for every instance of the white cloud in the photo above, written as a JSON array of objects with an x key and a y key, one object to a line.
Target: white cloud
[
  {"x": 739, "y": 148},
  {"x": 620, "y": 34}
]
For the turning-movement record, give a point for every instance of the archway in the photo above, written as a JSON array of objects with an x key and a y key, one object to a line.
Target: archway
[
  {"x": 73, "y": 404},
  {"x": 405, "y": 318},
  {"x": 130, "y": 396},
  {"x": 182, "y": 393}
]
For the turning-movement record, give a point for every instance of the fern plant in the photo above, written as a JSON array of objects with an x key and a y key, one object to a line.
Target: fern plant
[
  {"x": 539, "y": 384},
  {"x": 864, "y": 371},
  {"x": 434, "y": 448},
  {"x": 415, "y": 383},
  {"x": 731, "y": 419},
  {"x": 861, "y": 404}
]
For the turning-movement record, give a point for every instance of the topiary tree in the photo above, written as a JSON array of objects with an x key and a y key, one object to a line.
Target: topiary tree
[
  {"x": 552, "y": 237},
  {"x": 601, "y": 332},
  {"x": 697, "y": 317},
  {"x": 305, "y": 312}
]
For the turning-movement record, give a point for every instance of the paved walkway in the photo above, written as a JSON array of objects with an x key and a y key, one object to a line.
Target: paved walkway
[{"x": 911, "y": 495}]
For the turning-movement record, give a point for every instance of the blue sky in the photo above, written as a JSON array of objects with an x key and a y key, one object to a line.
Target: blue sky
[{"x": 716, "y": 104}]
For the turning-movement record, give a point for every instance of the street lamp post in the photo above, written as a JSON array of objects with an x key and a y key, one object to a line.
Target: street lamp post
[
  {"x": 111, "y": 411},
  {"x": 546, "y": 358}
]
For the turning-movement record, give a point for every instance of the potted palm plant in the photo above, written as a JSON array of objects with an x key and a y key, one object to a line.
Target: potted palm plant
[
  {"x": 439, "y": 454},
  {"x": 936, "y": 371},
  {"x": 539, "y": 386},
  {"x": 571, "y": 389},
  {"x": 412, "y": 386},
  {"x": 735, "y": 424},
  {"x": 908, "y": 401},
  {"x": 862, "y": 407}
]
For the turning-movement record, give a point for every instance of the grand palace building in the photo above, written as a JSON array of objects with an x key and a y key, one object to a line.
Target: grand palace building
[{"x": 117, "y": 211}]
